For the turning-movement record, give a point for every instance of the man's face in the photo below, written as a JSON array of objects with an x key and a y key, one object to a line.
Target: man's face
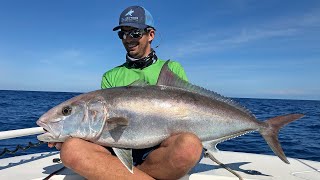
[{"x": 137, "y": 47}]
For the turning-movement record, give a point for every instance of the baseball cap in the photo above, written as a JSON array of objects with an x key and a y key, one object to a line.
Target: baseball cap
[{"x": 135, "y": 16}]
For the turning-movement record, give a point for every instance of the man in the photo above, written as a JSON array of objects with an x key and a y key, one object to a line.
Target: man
[
  {"x": 137, "y": 32},
  {"x": 175, "y": 156}
]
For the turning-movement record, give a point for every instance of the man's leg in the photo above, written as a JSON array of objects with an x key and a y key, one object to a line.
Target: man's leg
[
  {"x": 174, "y": 158},
  {"x": 93, "y": 161}
]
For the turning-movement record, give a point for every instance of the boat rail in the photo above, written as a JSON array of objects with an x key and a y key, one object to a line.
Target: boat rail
[{"x": 20, "y": 132}]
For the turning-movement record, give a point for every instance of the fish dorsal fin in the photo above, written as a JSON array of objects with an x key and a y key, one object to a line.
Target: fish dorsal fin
[
  {"x": 125, "y": 156},
  {"x": 139, "y": 83},
  {"x": 168, "y": 78}
]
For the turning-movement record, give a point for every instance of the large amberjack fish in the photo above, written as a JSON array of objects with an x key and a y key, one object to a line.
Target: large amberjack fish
[{"x": 141, "y": 116}]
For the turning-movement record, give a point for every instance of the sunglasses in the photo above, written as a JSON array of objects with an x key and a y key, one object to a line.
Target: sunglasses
[{"x": 135, "y": 33}]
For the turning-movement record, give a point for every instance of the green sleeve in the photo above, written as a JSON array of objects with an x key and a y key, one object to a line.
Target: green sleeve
[{"x": 104, "y": 82}]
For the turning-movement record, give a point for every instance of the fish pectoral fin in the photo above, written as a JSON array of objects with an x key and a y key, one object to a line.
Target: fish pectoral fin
[
  {"x": 125, "y": 156},
  {"x": 115, "y": 122},
  {"x": 211, "y": 145},
  {"x": 116, "y": 126}
]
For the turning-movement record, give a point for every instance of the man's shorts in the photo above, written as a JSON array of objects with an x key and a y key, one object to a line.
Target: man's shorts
[{"x": 138, "y": 155}]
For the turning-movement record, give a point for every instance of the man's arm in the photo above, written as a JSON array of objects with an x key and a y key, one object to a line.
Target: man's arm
[{"x": 105, "y": 83}]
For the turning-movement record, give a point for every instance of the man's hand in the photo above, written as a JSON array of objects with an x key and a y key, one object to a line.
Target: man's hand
[{"x": 54, "y": 144}]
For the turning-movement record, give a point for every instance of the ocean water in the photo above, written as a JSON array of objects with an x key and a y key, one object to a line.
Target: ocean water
[{"x": 299, "y": 139}]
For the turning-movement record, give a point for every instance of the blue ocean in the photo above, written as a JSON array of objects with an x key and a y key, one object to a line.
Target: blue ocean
[{"x": 299, "y": 139}]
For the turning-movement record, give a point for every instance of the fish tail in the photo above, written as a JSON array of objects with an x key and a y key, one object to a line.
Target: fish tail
[{"x": 270, "y": 133}]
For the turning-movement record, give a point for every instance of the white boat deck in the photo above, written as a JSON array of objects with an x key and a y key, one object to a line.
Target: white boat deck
[{"x": 249, "y": 166}]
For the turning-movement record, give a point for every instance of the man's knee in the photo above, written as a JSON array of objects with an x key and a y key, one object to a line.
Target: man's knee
[
  {"x": 74, "y": 151},
  {"x": 188, "y": 151}
]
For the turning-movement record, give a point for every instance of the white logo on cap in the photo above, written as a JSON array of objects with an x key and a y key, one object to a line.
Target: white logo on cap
[{"x": 129, "y": 13}]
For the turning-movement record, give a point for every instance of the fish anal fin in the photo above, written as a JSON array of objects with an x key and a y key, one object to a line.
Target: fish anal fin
[
  {"x": 125, "y": 156},
  {"x": 211, "y": 146},
  {"x": 209, "y": 155}
]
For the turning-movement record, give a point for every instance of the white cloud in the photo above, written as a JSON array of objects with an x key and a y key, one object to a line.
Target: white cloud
[
  {"x": 246, "y": 35},
  {"x": 307, "y": 20},
  {"x": 214, "y": 40},
  {"x": 63, "y": 57},
  {"x": 226, "y": 41}
]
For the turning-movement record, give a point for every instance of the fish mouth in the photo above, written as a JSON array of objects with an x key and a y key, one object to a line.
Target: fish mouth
[
  {"x": 48, "y": 136},
  {"x": 44, "y": 126}
]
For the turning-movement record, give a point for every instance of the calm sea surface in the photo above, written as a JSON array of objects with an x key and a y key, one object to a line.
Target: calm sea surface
[{"x": 300, "y": 139}]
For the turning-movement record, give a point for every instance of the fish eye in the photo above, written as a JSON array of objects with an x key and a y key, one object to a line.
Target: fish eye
[{"x": 66, "y": 110}]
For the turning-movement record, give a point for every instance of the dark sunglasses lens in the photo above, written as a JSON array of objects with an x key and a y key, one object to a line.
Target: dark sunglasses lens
[
  {"x": 133, "y": 34},
  {"x": 120, "y": 34},
  {"x": 136, "y": 34}
]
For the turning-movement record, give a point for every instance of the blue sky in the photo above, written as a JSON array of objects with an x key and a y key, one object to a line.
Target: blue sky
[{"x": 238, "y": 48}]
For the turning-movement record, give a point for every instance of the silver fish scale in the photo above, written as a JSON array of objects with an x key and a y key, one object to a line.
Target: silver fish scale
[
  {"x": 213, "y": 95},
  {"x": 155, "y": 112}
]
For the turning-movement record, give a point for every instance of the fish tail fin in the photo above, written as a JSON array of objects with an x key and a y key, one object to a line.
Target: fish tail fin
[{"x": 270, "y": 133}]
